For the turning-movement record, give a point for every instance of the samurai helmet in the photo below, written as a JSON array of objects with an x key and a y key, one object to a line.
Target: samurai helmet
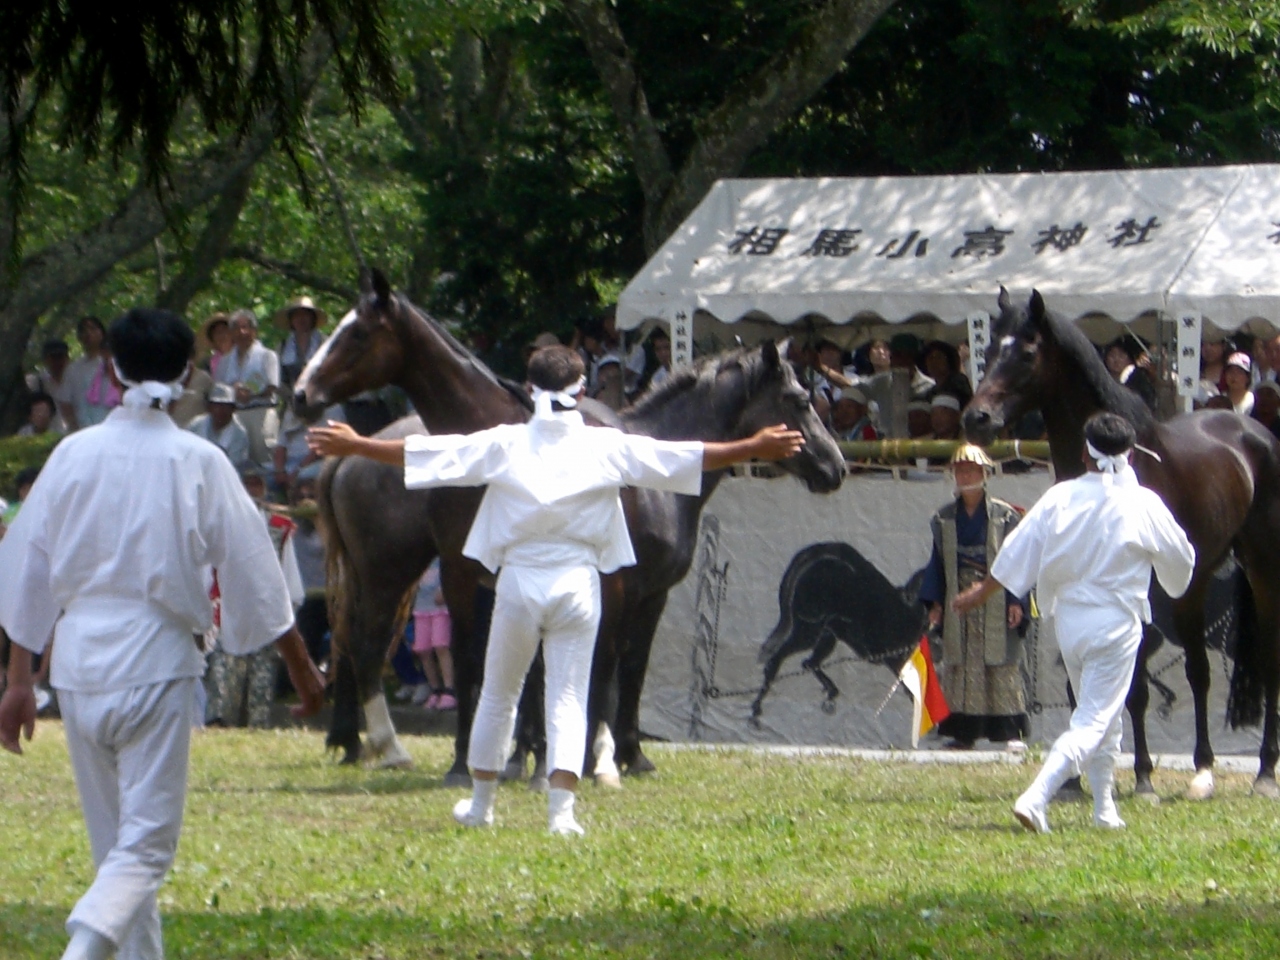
[{"x": 972, "y": 453}]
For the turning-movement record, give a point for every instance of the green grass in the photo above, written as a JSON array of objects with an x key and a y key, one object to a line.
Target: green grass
[{"x": 721, "y": 854}]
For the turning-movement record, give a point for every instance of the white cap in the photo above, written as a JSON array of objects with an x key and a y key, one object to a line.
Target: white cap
[{"x": 946, "y": 400}]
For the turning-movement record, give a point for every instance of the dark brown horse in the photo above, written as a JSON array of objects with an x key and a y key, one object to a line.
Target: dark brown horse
[
  {"x": 387, "y": 340},
  {"x": 1219, "y": 474}
]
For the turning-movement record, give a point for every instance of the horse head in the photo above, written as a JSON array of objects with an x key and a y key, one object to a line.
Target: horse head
[
  {"x": 1015, "y": 378},
  {"x": 365, "y": 351},
  {"x": 775, "y": 395}
]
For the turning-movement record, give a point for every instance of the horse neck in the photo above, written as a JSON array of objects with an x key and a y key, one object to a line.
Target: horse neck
[
  {"x": 450, "y": 390},
  {"x": 1068, "y": 401}
]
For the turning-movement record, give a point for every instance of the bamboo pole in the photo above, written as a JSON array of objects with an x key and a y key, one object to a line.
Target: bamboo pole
[{"x": 908, "y": 451}]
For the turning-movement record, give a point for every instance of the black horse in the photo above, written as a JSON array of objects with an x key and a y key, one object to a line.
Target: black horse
[
  {"x": 388, "y": 340},
  {"x": 830, "y": 592},
  {"x": 1219, "y": 474}
]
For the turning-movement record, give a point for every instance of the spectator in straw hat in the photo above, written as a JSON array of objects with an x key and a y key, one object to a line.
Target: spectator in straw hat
[
  {"x": 1239, "y": 375},
  {"x": 303, "y": 319},
  {"x": 980, "y": 667}
]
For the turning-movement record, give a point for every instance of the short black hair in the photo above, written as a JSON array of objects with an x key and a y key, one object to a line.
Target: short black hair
[
  {"x": 94, "y": 321},
  {"x": 25, "y": 477},
  {"x": 555, "y": 368},
  {"x": 1110, "y": 433},
  {"x": 54, "y": 348},
  {"x": 659, "y": 334},
  {"x": 151, "y": 344},
  {"x": 42, "y": 397}
]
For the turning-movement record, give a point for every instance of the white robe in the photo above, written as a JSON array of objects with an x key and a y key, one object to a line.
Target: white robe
[
  {"x": 553, "y": 487},
  {"x": 1095, "y": 540}
]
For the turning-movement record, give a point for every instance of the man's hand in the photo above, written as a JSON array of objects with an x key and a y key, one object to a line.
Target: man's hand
[
  {"x": 935, "y": 615},
  {"x": 334, "y": 439},
  {"x": 17, "y": 715},
  {"x": 305, "y": 676},
  {"x": 967, "y": 600},
  {"x": 776, "y": 443},
  {"x": 1015, "y": 615},
  {"x": 243, "y": 395}
]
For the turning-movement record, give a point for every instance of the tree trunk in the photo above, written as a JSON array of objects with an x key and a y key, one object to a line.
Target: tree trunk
[{"x": 211, "y": 249}]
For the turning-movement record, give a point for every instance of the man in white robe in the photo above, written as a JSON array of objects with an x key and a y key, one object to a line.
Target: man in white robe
[
  {"x": 551, "y": 521},
  {"x": 1089, "y": 546},
  {"x": 113, "y": 550}
]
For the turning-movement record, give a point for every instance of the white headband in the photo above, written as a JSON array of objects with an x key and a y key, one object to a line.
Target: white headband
[
  {"x": 1107, "y": 463},
  {"x": 568, "y": 397},
  {"x": 144, "y": 394}
]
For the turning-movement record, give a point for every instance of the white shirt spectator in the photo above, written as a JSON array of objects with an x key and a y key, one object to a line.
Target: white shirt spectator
[
  {"x": 257, "y": 370},
  {"x": 233, "y": 439}
]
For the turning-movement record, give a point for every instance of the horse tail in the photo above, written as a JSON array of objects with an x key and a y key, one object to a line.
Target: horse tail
[
  {"x": 337, "y": 562},
  {"x": 1244, "y": 702}
]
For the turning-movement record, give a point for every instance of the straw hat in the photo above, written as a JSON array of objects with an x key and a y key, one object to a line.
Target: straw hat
[
  {"x": 302, "y": 303},
  {"x": 972, "y": 453}
]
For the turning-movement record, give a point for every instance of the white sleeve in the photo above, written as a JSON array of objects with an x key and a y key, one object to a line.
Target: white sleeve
[
  {"x": 454, "y": 459},
  {"x": 28, "y": 610},
  {"x": 292, "y": 575},
  {"x": 671, "y": 465},
  {"x": 256, "y": 607},
  {"x": 1018, "y": 563},
  {"x": 271, "y": 367},
  {"x": 1172, "y": 556},
  {"x": 238, "y": 447}
]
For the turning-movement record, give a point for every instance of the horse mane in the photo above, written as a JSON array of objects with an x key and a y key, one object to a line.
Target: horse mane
[
  {"x": 699, "y": 376},
  {"x": 464, "y": 355},
  {"x": 1111, "y": 395}
]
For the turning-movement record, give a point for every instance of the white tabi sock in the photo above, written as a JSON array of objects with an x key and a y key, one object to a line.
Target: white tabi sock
[
  {"x": 88, "y": 944},
  {"x": 560, "y": 814},
  {"x": 478, "y": 811},
  {"x": 1101, "y": 772}
]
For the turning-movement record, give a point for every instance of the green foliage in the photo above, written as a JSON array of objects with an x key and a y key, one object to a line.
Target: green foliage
[
  {"x": 18, "y": 453},
  {"x": 731, "y": 854}
]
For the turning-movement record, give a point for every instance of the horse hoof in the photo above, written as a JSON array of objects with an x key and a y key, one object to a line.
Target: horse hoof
[
  {"x": 1148, "y": 796},
  {"x": 393, "y": 757},
  {"x": 1266, "y": 787},
  {"x": 539, "y": 785},
  {"x": 610, "y": 781},
  {"x": 641, "y": 764},
  {"x": 457, "y": 778},
  {"x": 1201, "y": 785}
]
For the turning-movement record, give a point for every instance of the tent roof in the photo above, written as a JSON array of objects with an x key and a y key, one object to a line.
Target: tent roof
[{"x": 1203, "y": 240}]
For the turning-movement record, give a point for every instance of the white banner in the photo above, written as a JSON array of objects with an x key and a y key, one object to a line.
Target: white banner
[{"x": 850, "y": 554}]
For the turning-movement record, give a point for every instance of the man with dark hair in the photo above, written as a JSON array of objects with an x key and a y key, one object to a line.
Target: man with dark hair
[
  {"x": 114, "y": 550},
  {"x": 551, "y": 520},
  {"x": 42, "y": 417},
  {"x": 52, "y": 379},
  {"x": 1089, "y": 547}
]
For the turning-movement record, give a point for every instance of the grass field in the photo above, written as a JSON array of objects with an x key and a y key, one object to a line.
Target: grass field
[{"x": 720, "y": 854}]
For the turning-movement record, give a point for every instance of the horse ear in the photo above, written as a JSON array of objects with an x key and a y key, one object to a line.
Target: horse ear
[
  {"x": 772, "y": 356},
  {"x": 381, "y": 286},
  {"x": 1036, "y": 311},
  {"x": 1003, "y": 301},
  {"x": 366, "y": 281}
]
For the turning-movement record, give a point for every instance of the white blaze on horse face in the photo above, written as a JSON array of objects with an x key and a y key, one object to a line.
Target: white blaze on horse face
[{"x": 304, "y": 378}]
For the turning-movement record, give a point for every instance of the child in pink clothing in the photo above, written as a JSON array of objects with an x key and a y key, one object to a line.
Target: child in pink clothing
[{"x": 431, "y": 637}]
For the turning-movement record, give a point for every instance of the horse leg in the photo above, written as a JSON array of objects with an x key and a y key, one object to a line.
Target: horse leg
[
  {"x": 377, "y": 616},
  {"x": 637, "y": 632},
  {"x": 1188, "y": 614},
  {"x": 471, "y": 608},
  {"x": 532, "y": 731},
  {"x": 602, "y": 698},
  {"x": 1139, "y": 698},
  {"x": 344, "y": 726},
  {"x": 1260, "y": 652}
]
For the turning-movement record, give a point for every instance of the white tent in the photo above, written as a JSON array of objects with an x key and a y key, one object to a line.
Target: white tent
[{"x": 1195, "y": 243}]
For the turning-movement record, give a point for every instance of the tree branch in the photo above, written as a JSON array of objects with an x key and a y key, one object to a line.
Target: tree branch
[
  {"x": 339, "y": 198},
  {"x": 754, "y": 109},
  {"x": 293, "y": 271},
  {"x": 211, "y": 248},
  {"x": 600, "y": 31}
]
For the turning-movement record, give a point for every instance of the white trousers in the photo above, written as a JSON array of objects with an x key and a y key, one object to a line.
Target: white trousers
[
  {"x": 129, "y": 750},
  {"x": 1099, "y": 648},
  {"x": 559, "y": 607}
]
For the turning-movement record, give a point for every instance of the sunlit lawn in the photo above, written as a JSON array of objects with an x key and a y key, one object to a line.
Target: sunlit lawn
[{"x": 722, "y": 854}]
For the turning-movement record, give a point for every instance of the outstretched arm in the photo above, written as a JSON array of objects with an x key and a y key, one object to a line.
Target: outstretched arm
[
  {"x": 976, "y": 595},
  {"x": 771, "y": 443},
  {"x": 336, "y": 439}
]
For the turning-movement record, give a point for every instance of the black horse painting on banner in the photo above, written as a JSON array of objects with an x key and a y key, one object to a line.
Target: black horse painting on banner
[{"x": 831, "y": 593}]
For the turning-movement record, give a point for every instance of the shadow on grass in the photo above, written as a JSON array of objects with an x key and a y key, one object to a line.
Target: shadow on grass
[{"x": 658, "y": 924}]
